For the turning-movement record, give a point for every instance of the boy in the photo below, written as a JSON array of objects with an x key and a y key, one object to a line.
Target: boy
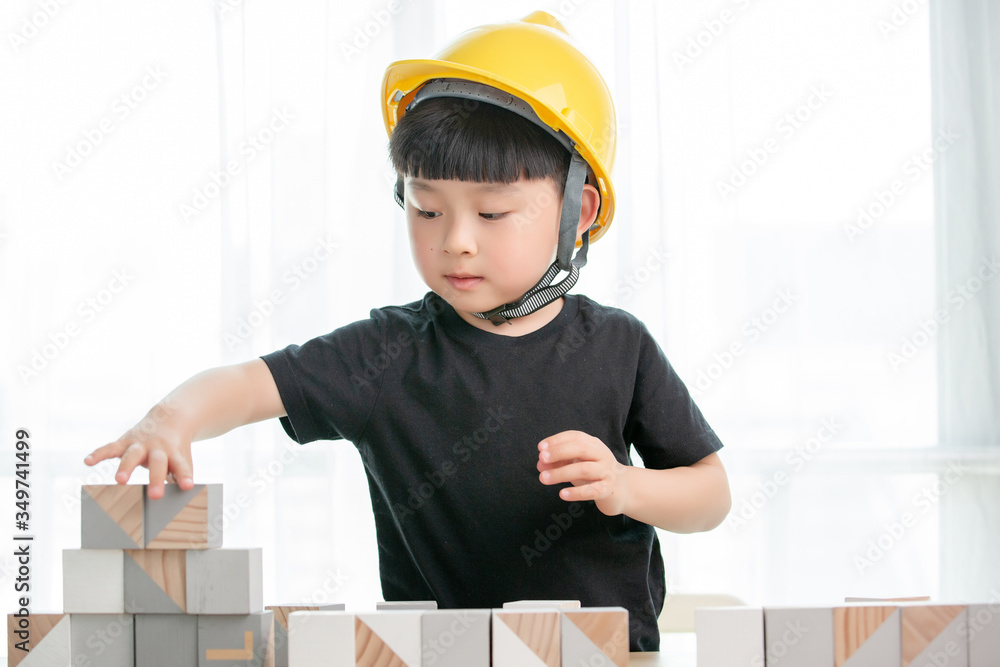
[{"x": 494, "y": 417}]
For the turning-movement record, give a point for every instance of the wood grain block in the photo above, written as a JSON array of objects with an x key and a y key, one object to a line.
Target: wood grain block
[
  {"x": 93, "y": 581},
  {"x": 526, "y": 638},
  {"x": 224, "y": 581},
  {"x": 321, "y": 639},
  {"x": 455, "y": 638},
  {"x": 184, "y": 519},
  {"x": 102, "y": 639},
  {"x": 798, "y": 636},
  {"x": 237, "y": 640},
  {"x": 111, "y": 516},
  {"x": 595, "y": 636},
  {"x": 155, "y": 581},
  {"x": 934, "y": 633},
  {"x": 866, "y": 636},
  {"x": 387, "y": 639},
  {"x": 281, "y": 614},
  {"x": 406, "y": 605},
  {"x": 38, "y": 640},
  {"x": 983, "y": 629},
  {"x": 166, "y": 640},
  {"x": 729, "y": 636},
  {"x": 542, "y": 604}
]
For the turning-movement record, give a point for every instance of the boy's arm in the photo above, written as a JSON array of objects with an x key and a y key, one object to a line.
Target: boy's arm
[
  {"x": 209, "y": 404},
  {"x": 687, "y": 499}
]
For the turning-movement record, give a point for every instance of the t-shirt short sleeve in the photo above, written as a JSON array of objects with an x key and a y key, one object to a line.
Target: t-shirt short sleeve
[
  {"x": 326, "y": 384},
  {"x": 665, "y": 425}
]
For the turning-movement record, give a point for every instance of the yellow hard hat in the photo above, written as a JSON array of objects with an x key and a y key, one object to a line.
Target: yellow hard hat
[{"x": 531, "y": 59}]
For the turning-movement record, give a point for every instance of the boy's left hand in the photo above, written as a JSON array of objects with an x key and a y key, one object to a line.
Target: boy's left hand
[{"x": 586, "y": 463}]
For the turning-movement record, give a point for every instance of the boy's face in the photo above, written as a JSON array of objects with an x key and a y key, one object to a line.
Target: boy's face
[{"x": 479, "y": 245}]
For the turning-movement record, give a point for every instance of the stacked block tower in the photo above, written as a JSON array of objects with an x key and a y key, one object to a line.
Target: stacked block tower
[{"x": 151, "y": 586}]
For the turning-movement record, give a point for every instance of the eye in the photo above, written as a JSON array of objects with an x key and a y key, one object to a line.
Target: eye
[
  {"x": 493, "y": 216},
  {"x": 427, "y": 215}
]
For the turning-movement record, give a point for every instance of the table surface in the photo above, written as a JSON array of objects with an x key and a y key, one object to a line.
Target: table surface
[{"x": 676, "y": 650}]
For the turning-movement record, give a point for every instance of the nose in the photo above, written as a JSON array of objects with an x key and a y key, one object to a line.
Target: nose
[{"x": 460, "y": 235}]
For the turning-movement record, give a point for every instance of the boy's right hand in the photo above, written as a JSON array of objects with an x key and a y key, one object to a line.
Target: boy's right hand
[{"x": 153, "y": 444}]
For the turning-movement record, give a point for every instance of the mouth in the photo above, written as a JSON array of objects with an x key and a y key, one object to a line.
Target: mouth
[{"x": 463, "y": 281}]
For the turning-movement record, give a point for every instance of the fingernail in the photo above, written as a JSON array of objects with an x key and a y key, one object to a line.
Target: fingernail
[
  {"x": 546, "y": 456},
  {"x": 545, "y": 476},
  {"x": 543, "y": 444}
]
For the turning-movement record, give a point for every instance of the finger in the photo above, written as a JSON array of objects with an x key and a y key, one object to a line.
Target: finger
[
  {"x": 157, "y": 465},
  {"x": 561, "y": 437},
  {"x": 576, "y": 473},
  {"x": 182, "y": 471},
  {"x": 571, "y": 449},
  {"x": 593, "y": 491},
  {"x": 112, "y": 450},
  {"x": 133, "y": 456}
]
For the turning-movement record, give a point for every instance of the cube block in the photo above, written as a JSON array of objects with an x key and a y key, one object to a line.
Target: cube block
[
  {"x": 102, "y": 639},
  {"x": 166, "y": 640},
  {"x": 111, "y": 516},
  {"x": 41, "y": 640},
  {"x": 983, "y": 625},
  {"x": 595, "y": 636},
  {"x": 321, "y": 639},
  {"x": 729, "y": 636},
  {"x": 224, "y": 581},
  {"x": 404, "y": 605},
  {"x": 387, "y": 638},
  {"x": 456, "y": 637},
  {"x": 155, "y": 581},
  {"x": 934, "y": 634},
  {"x": 798, "y": 636},
  {"x": 866, "y": 635},
  {"x": 236, "y": 640},
  {"x": 281, "y": 614},
  {"x": 93, "y": 581},
  {"x": 526, "y": 638},
  {"x": 542, "y": 604},
  {"x": 184, "y": 519}
]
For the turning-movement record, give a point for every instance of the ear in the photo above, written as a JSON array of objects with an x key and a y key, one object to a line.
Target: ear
[{"x": 588, "y": 209}]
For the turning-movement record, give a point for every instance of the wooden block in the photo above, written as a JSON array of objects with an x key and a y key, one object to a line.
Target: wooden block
[
  {"x": 166, "y": 640},
  {"x": 39, "y": 640},
  {"x": 866, "y": 636},
  {"x": 983, "y": 628},
  {"x": 102, "y": 639},
  {"x": 403, "y": 605},
  {"x": 231, "y": 641},
  {"x": 542, "y": 604},
  {"x": 281, "y": 613},
  {"x": 595, "y": 636},
  {"x": 93, "y": 581},
  {"x": 387, "y": 639},
  {"x": 321, "y": 639},
  {"x": 729, "y": 636},
  {"x": 184, "y": 519},
  {"x": 224, "y": 581},
  {"x": 455, "y": 638},
  {"x": 155, "y": 581},
  {"x": 934, "y": 634},
  {"x": 798, "y": 636},
  {"x": 111, "y": 516},
  {"x": 526, "y": 638}
]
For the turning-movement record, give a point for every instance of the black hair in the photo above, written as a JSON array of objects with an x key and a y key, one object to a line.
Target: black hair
[{"x": 468, "y": 140}]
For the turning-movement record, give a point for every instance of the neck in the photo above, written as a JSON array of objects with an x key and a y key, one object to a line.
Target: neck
[{"x": 518, "y": 326}]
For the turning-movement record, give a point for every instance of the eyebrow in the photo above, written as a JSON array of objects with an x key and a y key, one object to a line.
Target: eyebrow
[{"x": 417, "y": 184}]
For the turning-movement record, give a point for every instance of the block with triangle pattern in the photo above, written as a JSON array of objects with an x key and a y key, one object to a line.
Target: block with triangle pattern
[
  {"x": 595, "y": 636},
  {"x": 236, "y": 640},
  {"x": 729, "y": 636},
  {"x": 526, "y": 638},
  {"x": 798, "y": 636},
  {"x": 155, "y": 581},
  {"x": 456, "y": 637},
  {"x": 866, "y": 635},
  {"x": 111, "y": 516},
  {"x": 38, "y": 640},
  {"x": 934, "y": 634},
  {"x": 346, "y": 639},
  {"x": 983, "y": 625},
  {"x": 166, "y": 640},
  {"x": 184, "y": 519},
  {"x": 387, "y": 638},
  {"x": 281, "y": 637}
]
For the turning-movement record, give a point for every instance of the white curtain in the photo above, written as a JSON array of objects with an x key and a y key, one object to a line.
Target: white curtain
[
  {"x": 965, "y": 71},
  {"x": 195, "y": 184}
]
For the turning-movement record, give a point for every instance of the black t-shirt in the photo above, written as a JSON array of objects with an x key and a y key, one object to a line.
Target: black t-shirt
[{"x": 447, "y": 419}]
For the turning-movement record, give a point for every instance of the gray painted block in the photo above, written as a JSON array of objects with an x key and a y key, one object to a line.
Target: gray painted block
[
  {"x": 729, "y": 636},
  {"x": 404, "y": 605},
  {"x": 93, "y": 581},
  {"x": 236, "y": 641},
  {"x": 224, "y": 581},
  {"x": 166, "y": 640},
  {"x": 983, "y": 625},
  {"x": 455, "y": 637},
  {"x": 798, "y": 637},
  {"x": 102, "y": 639},
  {"x": 281, "y": 614},
  {"x": 111, "y": 516},
  {"x": 154, "y": 581},
  {"x": 184, "y": 519}
]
